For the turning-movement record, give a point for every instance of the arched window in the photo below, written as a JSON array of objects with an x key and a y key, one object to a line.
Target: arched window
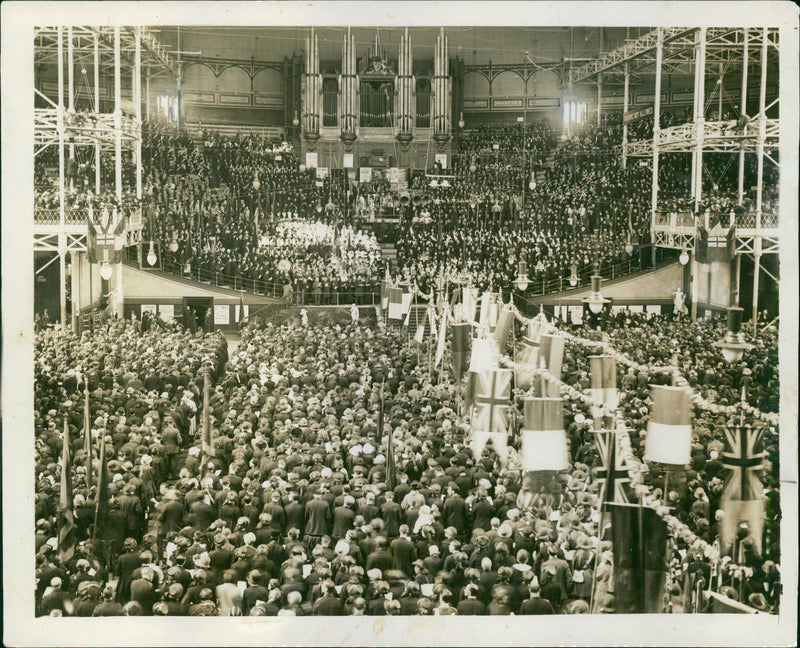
[
  {"x": 330, "y": 102},
  {"x": 423, "y": 103}
]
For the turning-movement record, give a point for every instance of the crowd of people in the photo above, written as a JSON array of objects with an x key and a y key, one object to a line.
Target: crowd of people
[
  {"x": 585, "y": 209},
  {"x": 299, "y": 508},
  {"x": 553, "y": 200}
]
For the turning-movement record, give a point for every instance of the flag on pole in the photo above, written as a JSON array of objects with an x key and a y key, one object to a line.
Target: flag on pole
[
  {"x": 395, "y": 303},
  {"x": 419, "y": 335},
  {"x": 639, "y": 537},
  {"x": 743, "y": 495},
  {"x": 101, "y": 504},
  {"x": 701, "y": 245},
  {"x": 405, "y": 298},
  {"x": 460, "y": 334},
  {"x": 527, "y": 359},
  {"x": 380, "y": 414},
  {"x": 604, "y": 386},
  {"x": 505, "y": 321},
  {"x": 432, "y": 321},
  {"x": 551, "y": 352},
  {"x": 528, "y": 355},
  {"x": 669, "y": 431},
  {"x": 119, "y": 239},
  {"x": 469, "y": 303},
  {"x": 494, "y": 311},
  {"x": 391, "y": 470},
  {"x": 484, "y": 355},
  {"x": 102, "y": 242},
  {"x": 486, "y": 300},
  {"x": 91, "y": 240},
  {"x": 612, "y": 473},
  {"x": 490, "y": 417},
  {"x": 386, "y": 285},
  {"x": 87, "y": 434},
  {"x": 66, "y": 517},
  {"x": 544, "y": 442},
  {"x": 241, "y": 314},
  {"x": 492, "y": 394},
  {"x": 730, "y": 243},
  {"x": 208, "y": 445},
  {"x": 441, "y": 341}
]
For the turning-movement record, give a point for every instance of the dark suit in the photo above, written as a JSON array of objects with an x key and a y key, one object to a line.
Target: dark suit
[
  {"x": 327, "y": 605},
  {"x": 342, "y": 521},
  {"x": 379, "y": 559},
  {"x": 390, "y": 512},
  {"x": 403, "y": 554},
  {"x": 142, "y": 592},
  {"x": 536, "y": 605},
  {"x": 318, "y": 517},
  {"x": 454, "y": 513},
  {"x": 295, "y": 516},
  {"x": 471, "y": 607},
  {"x": 171, "y": 517}
]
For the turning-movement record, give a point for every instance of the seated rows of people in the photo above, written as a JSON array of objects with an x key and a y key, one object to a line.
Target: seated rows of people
[
  {"x": 578, "y": 215},
  {"x": 215, "y": 202},
  {"x": 296, "y": 512}
]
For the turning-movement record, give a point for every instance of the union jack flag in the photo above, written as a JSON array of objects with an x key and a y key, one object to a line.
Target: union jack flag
[
  {"x": 612, "y": 473},
  {"x": 105, "y": 244},
  {"x": 743, "y": 457},
  {"x": 492, "y": 394}
]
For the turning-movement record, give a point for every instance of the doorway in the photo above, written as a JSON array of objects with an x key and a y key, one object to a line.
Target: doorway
[{"x": 198, "y": 313}]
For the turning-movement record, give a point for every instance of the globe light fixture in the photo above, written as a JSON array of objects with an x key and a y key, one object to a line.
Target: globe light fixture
[
  {"x": 151, "y": 255},
  {"x": 295, "y": 120},
  {"x": 302, "y": 168},
  {"x": 522, "y": 280},
  {"x": 573, "y": 277},
  {"x": 595, "y": 300},
  {"x": 733, "y": 345},
  {"x": 106, "y": 270},
  {"x": 173, "y": 244},
  {"x": 628, "y": 247},
  {"x": 684, "y": 257},
  {"x": 531, "y": 185},
  {"x": 256, "y": 183},
  {"x": 319, "y": 206},
  {"x": 461, "y": 121}
]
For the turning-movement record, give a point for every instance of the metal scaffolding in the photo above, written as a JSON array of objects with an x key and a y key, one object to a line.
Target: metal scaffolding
[
  {"x": 109, "y": 134},
  {"x": 692, "y": 50}
]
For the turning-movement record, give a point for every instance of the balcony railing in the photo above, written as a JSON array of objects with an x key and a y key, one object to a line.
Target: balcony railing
[
  {"x": 673, "y": 220},
  {"x": 49, "y": 216},
  {"x": 77, "y": 216},
  {"x": 370, "y": 295}
]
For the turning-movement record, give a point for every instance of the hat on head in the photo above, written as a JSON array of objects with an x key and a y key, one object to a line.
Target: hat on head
[
  {"x": 605, "y": 603},
  {"x": 758, "y": 601},
  {"x": 505, "y": 530},
  {"x": 730, "y": 592}
]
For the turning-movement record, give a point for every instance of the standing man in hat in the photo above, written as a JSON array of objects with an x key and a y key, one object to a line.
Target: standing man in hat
[
  {"x": 318, "y": 519},
  {"x": 402, "y": 552}
]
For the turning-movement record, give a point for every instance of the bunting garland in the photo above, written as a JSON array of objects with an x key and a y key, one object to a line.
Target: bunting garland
[{"x": 625, "y": 460}]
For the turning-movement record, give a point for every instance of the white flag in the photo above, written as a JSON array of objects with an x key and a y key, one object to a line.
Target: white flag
[{"x": 442, "y": 335}]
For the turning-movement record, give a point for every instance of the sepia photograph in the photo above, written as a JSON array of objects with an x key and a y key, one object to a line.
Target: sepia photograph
[{"x": 402, "y": 309}]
